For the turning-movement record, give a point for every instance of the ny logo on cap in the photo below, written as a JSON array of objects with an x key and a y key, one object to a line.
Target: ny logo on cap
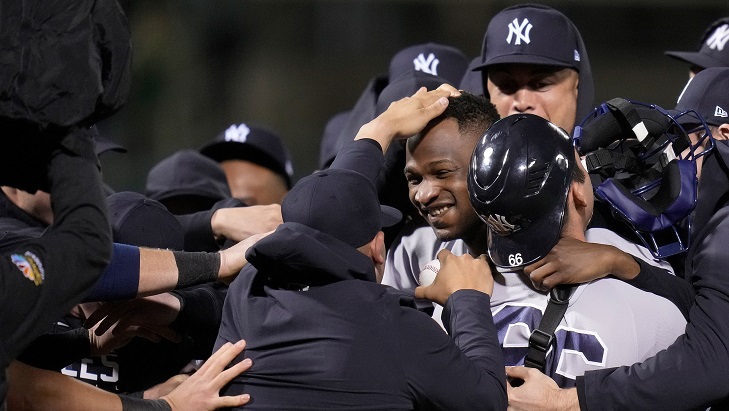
[
  {"x": 518, "y": 30},
  {"x": 719, "y": 38},
  {"x": 237, "y": 133},
  {"x": 429, "y": 65},
  {"x": 720, "y": 112}
]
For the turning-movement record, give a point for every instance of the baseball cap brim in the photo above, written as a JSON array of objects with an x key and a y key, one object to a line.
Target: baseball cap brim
[
  {"x": 389, "y": 216},
  {"x": 531, "y": 243},
  {"x": 695, "y": 58},
  {"x": 523, "y": 59}
]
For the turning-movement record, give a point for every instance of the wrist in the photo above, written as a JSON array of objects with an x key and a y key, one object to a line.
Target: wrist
[
  {"x": 216, "y": 224},
  {"x": 376, "y": 131},
  {"x": 566, "y": 399},
  {"x": 624, "y": 265}
]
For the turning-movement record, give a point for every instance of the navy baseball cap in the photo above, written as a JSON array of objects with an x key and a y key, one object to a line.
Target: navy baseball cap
[
  {"x": 187, "y": 173},
  {"x": 708, "y": 94},
  {"x": 405, "y": 86},
  {"x": 432, "y": 58},
  {"x": 251, "y": 143},
  {"x": 713, "y": 50},
  {"x": 531, "y": 34},
  {"x": 143, "y": 222},
  {"x": 341, "y": 203},
  {"x": 472, "y": 80},
  {"x": 330, "y": 142}
]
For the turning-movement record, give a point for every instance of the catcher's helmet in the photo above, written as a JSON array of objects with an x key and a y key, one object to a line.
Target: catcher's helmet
[{"x": 518, "y": 183}]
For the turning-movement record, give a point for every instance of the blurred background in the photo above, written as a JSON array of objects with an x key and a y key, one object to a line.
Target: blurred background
[{"x": 289, "y": 65}]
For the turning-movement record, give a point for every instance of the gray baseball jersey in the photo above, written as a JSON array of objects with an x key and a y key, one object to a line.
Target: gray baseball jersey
[{"x": 608, "y": 323}]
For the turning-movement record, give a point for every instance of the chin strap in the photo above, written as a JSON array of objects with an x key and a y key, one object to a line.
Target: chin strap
[{"x": 543, "y": 336}]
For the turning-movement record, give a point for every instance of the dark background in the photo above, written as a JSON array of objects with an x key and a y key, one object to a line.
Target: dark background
[{"x": 201, "y": 65}]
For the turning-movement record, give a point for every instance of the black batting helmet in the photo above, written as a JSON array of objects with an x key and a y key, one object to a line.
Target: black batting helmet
[{"x": 518, "y": 183}]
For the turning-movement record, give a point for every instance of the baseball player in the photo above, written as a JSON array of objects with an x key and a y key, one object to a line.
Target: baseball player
[
  {"x": 257, "y": 165},
  {"x": 533, "y": 60},
  {"x": 333, "y": 338},
  {"x": 689, "y": 374},
  {"x": 712, "y": 51},
  {"x": 593, "y": 332}
]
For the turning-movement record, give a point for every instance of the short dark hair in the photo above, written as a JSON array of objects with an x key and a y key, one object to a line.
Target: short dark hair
[{"x": 472, "y": 113}]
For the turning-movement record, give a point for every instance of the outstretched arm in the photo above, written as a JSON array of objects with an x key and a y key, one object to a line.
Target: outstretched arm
[{"x": 35, "y": 389}]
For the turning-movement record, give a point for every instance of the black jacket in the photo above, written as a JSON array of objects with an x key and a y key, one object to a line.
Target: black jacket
[
  {"x": 43, "y": 278},
  {"x": 693, "y": 373},
  {"x": 323, "y": 335}
]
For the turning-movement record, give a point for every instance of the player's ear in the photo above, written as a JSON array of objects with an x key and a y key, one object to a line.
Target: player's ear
[
  {"x": 722, "y": 132},
  {"x": 378, "y": 248},
  {"x": 578, "y": 195}
]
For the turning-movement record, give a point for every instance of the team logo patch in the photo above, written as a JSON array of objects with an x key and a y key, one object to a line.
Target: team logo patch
[
  {"x": 500, "y": 225},
  {"x": 519, "y": 31},
  {"x": 426, "y": 65},
  {"x": 237, "y": 133},
  {"x": 720, "y": 112},
  {"x": 30, "y": 265},
  {"x": 719, "y": 38}
]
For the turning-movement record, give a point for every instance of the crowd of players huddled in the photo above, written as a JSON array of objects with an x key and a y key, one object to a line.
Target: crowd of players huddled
[{"x": 579, "y": 243}]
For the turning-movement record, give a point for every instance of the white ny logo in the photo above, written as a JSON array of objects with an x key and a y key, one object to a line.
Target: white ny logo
[
  {"x": 518, "y": 30},
  {"x": 237, "y": 133},
  {"x": 719, "y": 38},
  {"x": 429, "y": 65}
]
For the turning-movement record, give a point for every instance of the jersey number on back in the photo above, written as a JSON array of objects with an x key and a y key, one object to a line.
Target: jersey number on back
[{"x": 575, "y": 351}]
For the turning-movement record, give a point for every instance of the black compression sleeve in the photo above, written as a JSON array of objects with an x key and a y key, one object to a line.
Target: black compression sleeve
[
  {"x": 196, "y": 268},
  {"x": 138, "y": 404}
]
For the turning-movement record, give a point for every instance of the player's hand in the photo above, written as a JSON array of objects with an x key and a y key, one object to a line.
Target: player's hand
[
  {"x": 233, "y": 259},
  {"x": 406, "y": 117},
  {"x": 572, "y": 261},
  {"x": 164, "y": 388},
  {"x": 202, "y": 390},
  {"x": 112, "y": 324},
  {"x": 457, "y": 273},
  {"x": 238, "y": 223},
  {"x": 538, "y": 392}
]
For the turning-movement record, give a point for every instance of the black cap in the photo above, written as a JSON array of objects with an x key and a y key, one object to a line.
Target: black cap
[
  {"x": 187, "y": 173},
  {"x": 531, "y": 34},
  {"x": 143, "y": 222},
  {"x": 708, "y": 94},
  {"x": 713, "y": 50},
  {"x": 330, "y": 143},
  {"x": 472, "y": 81},
  {"x": 251, "y": 143},
  {"x": 340, "y": 203},
  {"x": 431, "y": 58},
  {"x": 405, "y": 86},
  {"x": 518, "y": 183}
]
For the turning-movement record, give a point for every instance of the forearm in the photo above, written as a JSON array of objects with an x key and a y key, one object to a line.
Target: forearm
[
  {"x": 137, "y": 272},
  {"x": 30, "y": 388},
  {"x": 364, "y": 156},
  {"x": 660, "y": 282},
  {"x": 55, "y": 351}
]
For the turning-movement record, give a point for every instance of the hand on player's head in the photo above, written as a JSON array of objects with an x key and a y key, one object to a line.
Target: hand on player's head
[
  {"x": 408, "y": 116},
  {"x": 457, "y": 273}
]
